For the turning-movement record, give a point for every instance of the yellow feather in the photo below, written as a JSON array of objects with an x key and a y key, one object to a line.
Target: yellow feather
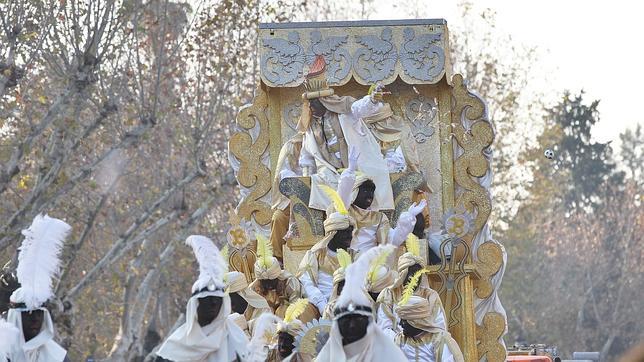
[
  {"x": 412, "y": 244},
  {"x": 376, "y": 264},
  {"x": 264, "y": 251},
  {"x": 411, "y": 286},
  {"x": 295, "y": 310},
  {"x": 335, "y": 198},
  {"x": 344, "y": 258}
]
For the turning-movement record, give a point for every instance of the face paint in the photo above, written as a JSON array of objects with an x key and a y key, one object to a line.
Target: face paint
[
  {"x": 374, "y": 295},
  {"x": 32, "y": 323},
  {"x": 208, "y": 309},
  {"x": 341, "y": 239},
  {"x": 268, "y": 284},
  {"x": 317, "y": 108},
  {"x": 409, "y": 330},
  {"x": 285, "y": 344},
  {"x": 237, "y": 303},
  {"x": 353, "y": 327},
  {"x": 366, "y": 192},
  {"x": 410, "y": 273},
  {"x": 419, "y": 227}
]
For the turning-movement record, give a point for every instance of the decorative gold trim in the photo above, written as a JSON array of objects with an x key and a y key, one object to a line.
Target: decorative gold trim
[
  {"x": 471, "y": 163},
  {"x": 490, "y": 259},
  {"x": 488, "y": 336},
  {"x": 252, "y": 173},
  {"x": 446, "y": 146}
]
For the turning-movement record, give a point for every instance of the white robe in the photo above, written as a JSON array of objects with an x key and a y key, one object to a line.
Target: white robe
[
  {"x": 220, "y": 341},
  {"x": 41, "y": 348},
  {"x": 425, "y": 353},
  {"x": 370, "y": 161},
  {"x": 375, "y": 346}
]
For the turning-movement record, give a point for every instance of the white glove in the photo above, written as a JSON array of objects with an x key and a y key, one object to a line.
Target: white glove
[{"x": 416, "y": 209}]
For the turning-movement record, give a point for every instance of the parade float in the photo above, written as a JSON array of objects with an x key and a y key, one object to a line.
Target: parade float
[{"x": 444, "y": 122}]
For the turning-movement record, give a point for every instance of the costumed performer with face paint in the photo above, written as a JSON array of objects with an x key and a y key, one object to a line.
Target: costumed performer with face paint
[
  {"x": 38, "y": 264},
  {"x": 208, "y": 334},
  {"x": 354, "y": 335}
]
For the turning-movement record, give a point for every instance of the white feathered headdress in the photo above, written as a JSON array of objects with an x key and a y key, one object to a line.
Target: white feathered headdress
[
  {"x": 38, "y": 261},
  {"x": 354, "y": 292},
  {"x": 212, "y": 265}
]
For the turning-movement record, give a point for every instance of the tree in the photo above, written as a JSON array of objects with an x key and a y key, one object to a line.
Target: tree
[
  {"x": 589, "y": 164},
  {"x": 115, "y": 116},
  {"x": 632, "y": 153}
]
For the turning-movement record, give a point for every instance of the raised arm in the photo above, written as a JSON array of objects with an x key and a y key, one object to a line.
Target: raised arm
[{"x": 406, "y": 223}]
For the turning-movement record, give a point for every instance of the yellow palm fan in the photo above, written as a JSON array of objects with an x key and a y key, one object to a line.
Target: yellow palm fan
[
  {"x": 412, "y": 244},
  {"x": 411, "y": 286},
  {"x": 335, "y": 198},
  {"x": 295, "y": 310},
  {"x": 264, "y": 251},
  {"x": 344, "y": 258},
  {"x": 379, "y": 261}
]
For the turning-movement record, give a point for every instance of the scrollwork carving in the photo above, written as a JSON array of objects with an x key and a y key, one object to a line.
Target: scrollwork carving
[
  {"x": 253, "y": 174},
  {"x": 420, "y": 112},
  {"x": 488, "y": 336},
  {"x": 421, "y": 57},
  {"x": 376, "y": 59},
  {"x": 471, "y": 163},
  {"x": 490, "y": 259},
  {"x": 337, "y": 57},
  {"x": 283, "y": 63}
]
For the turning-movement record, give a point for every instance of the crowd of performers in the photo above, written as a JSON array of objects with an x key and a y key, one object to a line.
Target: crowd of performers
[{"x": 365, "y": 278}]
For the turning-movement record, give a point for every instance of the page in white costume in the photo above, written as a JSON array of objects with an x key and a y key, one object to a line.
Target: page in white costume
[
  {"x": 221, "y": 341},
  {"x": 374, "y": 346},
  {"x": 41, "y": 348}
]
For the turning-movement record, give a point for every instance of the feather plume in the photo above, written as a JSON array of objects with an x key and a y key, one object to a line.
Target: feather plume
[
  {"x": 344, "y": 258},
  {"x": 354, "y": 290},
  {"x": 335, "y": 198},
  {"x": 264, "y": 251},
  {"x": 294, "y": 310},
  {"x": 38, "y": 261},
  {"x": 413, "y": 244},
  {"x": 409, "y": 289},
  {"x": 263, "y": 335},
  {"x": 212, "y": 265},
  {"x": 9, "y": 337},
  {"x": 376, "y": 264}
]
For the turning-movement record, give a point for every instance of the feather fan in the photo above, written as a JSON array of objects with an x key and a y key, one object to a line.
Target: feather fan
[
  {"x": 211, "y": 263},
  {"x": 344, "y": 258},
  {"x": 354, "y": 290},
  {"x": 335, "y": 198},
  {"x": 409, "y": 289},
  {"x": 376, "y": 264},
  {"x": 264, "y": 251},
  {"x": 294, "y": 310},
  {"x": 412, "y": 244},
  {"x": 38, "y": 261}
]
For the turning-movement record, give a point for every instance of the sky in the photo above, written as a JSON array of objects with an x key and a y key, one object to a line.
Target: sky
[{"x": 591, "y": 45}]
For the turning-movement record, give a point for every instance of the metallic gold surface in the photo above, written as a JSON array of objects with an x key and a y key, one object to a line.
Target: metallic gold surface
[
  {"x": 472, "y": 162},
  {"x": 490, "y": 259},
  {"x": 252, "y": 172},
  {"x": 488, "y": 335}
]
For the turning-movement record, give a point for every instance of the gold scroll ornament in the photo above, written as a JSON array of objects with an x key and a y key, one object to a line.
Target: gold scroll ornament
[{"x": 253, "y": 174}]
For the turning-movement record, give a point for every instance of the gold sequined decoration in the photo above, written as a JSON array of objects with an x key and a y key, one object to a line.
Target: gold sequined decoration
[
  {"x": 472, "y": 163},
  {"x": 490, "y": 259},
  {"x": 488, "y": 336},
  {"x": 253, "y": 174}
]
